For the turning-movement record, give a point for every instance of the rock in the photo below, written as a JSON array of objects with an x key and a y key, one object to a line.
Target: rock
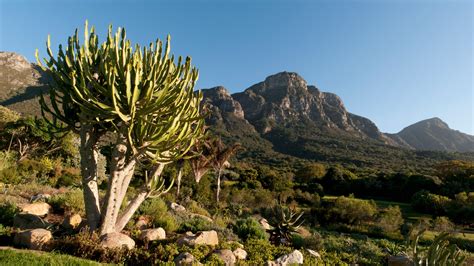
[
  {"x": 204, "y": 217},
  {"x": 33, "y": 238},
  {"x": 401, "y": 260},
  {"x": 39, "y": 197},
  {"x": 176, "y": 207},
  {"x": 264, "y": 223},
  {"x": 116, "y": 240},
  {"x": 186, "y": 259},
  {"x": 152, "y": 234},
  {"x": 28, "y": 221},
  {"x": 209, "y": 238},
  {"x": 142, "y": 223},
  {"x": 37, "y": 208},
  {"x": 302, "y": 231},
  {"x": 313, "y": 253},
  {"x": 295, "y": 257},
  {"x": 240, "y": 254},
  {"x": 226, "y": 256},
  {"x": 72, "y": 221}
]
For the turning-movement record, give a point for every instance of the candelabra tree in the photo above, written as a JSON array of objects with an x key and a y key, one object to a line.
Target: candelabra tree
[{"x": 140, "y": 96}]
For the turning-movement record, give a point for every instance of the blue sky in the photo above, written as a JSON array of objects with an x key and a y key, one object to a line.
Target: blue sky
[{"x": 395, "y": 61}]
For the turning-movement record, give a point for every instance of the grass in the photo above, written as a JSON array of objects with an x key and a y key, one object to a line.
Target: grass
[{"x": 15, "y": 257}]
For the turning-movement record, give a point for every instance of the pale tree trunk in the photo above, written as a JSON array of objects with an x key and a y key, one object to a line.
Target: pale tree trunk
[
  {"x": 89, "y": 155},
  {"x": 135, "y": 203},
  {"x": 111, "y": 206},
  {"x": 178, "y": 179},
  {"x": 218, "y": 184}
]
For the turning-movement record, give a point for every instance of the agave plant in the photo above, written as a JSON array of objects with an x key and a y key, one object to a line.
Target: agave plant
[
  {"x": 284, "y": 223},
  {"x": 440, "y": 252}
]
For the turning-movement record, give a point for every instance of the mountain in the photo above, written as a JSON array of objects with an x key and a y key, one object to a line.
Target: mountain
[
  {"x": 20, "y": 83},
  {"x": 434, "y": 134},
  {"x": 280, "y": 121}
]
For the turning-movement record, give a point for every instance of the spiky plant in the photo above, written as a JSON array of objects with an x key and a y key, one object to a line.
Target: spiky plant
[
  {"x": 284, "y": 222},
  {"x": 141, "y": 96},
  {"x": 440, "y": 252}
]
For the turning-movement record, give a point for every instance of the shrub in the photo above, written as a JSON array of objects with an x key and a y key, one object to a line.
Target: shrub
[
  {"x": 157, "y": 210},
  {"x": 194, "y": 225},
  {"x": 390, "y": 220},
  {"x": 8, "y": 211},
  {"x": 249, "y": 229},
  {"x": 351, "y": 211},
  {"x": 71, "y": 201},
  {"x": 443, "y": 224},
  {"x": 260, "y": 251},
  {"x": 427, "y": 202}
]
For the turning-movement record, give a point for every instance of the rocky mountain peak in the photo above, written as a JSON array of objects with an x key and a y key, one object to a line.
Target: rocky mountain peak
[
  {"x": 14, "y": 61},
  {"x": 286, "y": 80},
  {"x": 433, "y": 122},
  {"x": 220, "y": 99}
]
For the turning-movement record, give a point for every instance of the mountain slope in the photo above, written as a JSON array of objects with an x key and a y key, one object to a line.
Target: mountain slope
[{"x": 434, "y": 134}]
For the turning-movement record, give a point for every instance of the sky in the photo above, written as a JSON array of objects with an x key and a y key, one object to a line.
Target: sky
[{"x": 395, "y": 62}]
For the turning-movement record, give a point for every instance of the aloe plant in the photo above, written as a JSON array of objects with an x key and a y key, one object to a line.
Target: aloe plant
[
  {"x": 285, "y": 222},
  {"x": 141, "y": 95}
]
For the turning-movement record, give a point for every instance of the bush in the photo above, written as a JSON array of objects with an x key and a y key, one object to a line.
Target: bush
[
  {"x": 249, "y": 229},
  {"x": 157, "y": 210},
  {"x": 71, "y": 201},
  {"x": 8, "y": 211},
  {"x": 427, "y": 202},
  {"x": 443, "y": 224},
  {"x": 195, "y": 225},
  {"x": 351, "y": 211},
  {"x": 390, "y": 220},
  {"x": 260, "y": 251}
]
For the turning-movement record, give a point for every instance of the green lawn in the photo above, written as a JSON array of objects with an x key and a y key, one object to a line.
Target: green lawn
[{"x": 16, "y": 257}]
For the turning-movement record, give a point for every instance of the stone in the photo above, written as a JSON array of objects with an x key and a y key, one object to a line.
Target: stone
[
  {"x": 116, "y": 240},
  {"x": 227, "y": 256},
  {"x": 177, "y": 208},
  {"x": 240, "y": 254},
  {"x": 33, "y": 239},
  {"x": 186, "y": 259},
  {"x": 400, "y": 260},
  {"x": 37, "y": 208},
  {"x": 264, "y": 223},
  {"x": 295, "y": 257},
  {"x": 41, "y": 196},
  {"x": 143, "y": 222},
  {"x": 209, "y": 238},
  {"x": 313, "y": 253},
  {"x": 28, "y": 221},
  {"x": 152, "y": 234},
  {"x": 72, "y": 221}
]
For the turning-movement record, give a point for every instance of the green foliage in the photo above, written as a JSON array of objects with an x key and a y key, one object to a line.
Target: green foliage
[
  {"x": 249, "y": 228},
  {"x": 425, "y": 201},
  {"x": 22, "y": 257},
  {"x": 443, "y": 224},
  {"x": 157, "y": 210},
  {"x": 440, "y": 252},
  {"x": 71, "y": 201},
  {"x": 194, "y": 225},
  {"x": 310, "y": 173},
  {"x": 7, "y": 116},
  {"x": 351, "y": 211},
  {"x": 8, "y": 211},
  {"x": 285, "y": 222},
  {"x": 390, "y": 220},
  {"x": 260, "y": 251}
]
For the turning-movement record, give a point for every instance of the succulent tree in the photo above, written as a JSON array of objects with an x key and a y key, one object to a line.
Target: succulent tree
[
  {"x": 220, "y": 155},
  {"x": 141, "y": 97}
]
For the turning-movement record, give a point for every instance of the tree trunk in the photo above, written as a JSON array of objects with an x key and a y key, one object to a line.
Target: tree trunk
[
  {"x": 178, "y": 179},
  {"x": 218, "y": 184},
  {"x": 89, "y": 155},
  {"x": 111, "y": 206}
]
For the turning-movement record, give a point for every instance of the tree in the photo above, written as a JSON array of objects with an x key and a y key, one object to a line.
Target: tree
[
  {"x": 220, "y": 154},
  {"x": 141, "y": 97}
]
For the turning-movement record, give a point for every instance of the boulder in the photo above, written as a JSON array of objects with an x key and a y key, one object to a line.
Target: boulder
[
  {"x": 152, "y": 234},
  {"x": 186, "y": 259},
  {"x": 28, "y": 221},
  {"x": 209, "y": 238},
  {"x": 116, "y": 240},
  {"x": 72, "y": 221},
  {"x": 264, "y": 223},
  {"x": 295, "y": 257},
  {"x": 37, "y": 208},
  {"x": 227, "y": 256},
  {"x": 176, "y": 207},
  {"x": 33, "y": 238},
  {"x": 240, "y": 254},
  {"x": 313, "y": 253},
  {"x": 400, "y": 260},
  {"x": 41, "y": 196}
]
